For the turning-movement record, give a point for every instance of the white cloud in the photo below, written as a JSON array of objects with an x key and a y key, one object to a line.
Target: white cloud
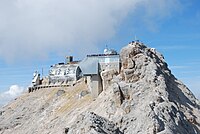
[
  {"x": 36, "y": 28},
  {"x": 13, "y": 92}
]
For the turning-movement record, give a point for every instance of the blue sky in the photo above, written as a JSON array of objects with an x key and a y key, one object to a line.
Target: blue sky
[{"x": 35, "y": 34}]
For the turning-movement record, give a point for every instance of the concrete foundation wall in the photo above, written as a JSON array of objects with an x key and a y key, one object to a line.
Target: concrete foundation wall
[{"x": 95, "y": 85}]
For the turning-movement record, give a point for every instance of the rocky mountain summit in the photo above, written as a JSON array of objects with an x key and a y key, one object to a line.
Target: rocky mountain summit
[{"x": 144, "y": 98}]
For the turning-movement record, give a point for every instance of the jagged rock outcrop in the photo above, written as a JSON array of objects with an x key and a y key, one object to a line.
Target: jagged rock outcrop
[
  {"x": 91, "y": 122},
  {"x": 145, "y": 98},
  {"x": 107, "y": 77}
]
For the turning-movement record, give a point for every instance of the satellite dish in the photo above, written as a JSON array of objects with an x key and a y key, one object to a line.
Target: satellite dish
[
  {"x": 105, "y": 51},
  {"x": 35, "y": 73}
]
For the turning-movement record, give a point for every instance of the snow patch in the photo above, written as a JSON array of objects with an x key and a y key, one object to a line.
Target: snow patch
[{"x": 14, "y": 91}]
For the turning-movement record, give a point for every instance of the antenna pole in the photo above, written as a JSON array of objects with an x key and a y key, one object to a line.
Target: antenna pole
[
  {"x": 106, "y": 46},
  {"x": 135, "y": 38},
  {"x": 42, "y": 71}
]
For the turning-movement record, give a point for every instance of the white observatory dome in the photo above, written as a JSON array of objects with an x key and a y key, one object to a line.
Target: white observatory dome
[{"x": 105, "y": 51}]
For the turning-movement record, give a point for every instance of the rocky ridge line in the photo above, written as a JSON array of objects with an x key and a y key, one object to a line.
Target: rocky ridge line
[{"x": 144, "y": 98}]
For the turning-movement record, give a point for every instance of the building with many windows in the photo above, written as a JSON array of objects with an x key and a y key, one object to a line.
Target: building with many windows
[
  {"x": 90, "y": 68},
  {"x": 93, "y": 65}
]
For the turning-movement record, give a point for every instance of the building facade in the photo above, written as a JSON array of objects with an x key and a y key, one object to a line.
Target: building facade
[
  {"x": 93, "y": 65},
  {"x": 90, "y": 68},
  {"x": 63, "y": 73}
]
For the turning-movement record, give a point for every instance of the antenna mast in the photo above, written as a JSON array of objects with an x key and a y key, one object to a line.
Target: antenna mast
[{"x": 135, "y": 38}]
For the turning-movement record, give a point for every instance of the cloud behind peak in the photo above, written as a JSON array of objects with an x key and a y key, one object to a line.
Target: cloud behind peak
[{"x": 36, "y": 27}]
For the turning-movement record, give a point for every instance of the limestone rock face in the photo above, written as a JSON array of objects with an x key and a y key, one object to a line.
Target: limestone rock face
[
  {"x": 90, "y": 122},
  {"x": 145, "y": 98},
  {"x": 107, "y": 77}
]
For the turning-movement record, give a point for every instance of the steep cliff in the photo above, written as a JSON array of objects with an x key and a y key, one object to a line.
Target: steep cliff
[{"x": 144, "y": 98}]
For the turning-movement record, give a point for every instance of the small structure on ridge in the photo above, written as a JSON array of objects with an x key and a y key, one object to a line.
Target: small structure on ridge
[
  {"x": 93, "y": 65},
  {"x": 90, "y": 68}
]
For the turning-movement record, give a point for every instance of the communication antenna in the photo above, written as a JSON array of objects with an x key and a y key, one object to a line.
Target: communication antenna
[
  {"x": 106, "y": 50},
  {"x": 106, "y": 46},
  {"x": 135, "y": 38},
  {"x": 42, "y": 71}
]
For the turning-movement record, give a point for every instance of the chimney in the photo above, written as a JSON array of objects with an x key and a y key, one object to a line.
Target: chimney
[{"x": 69, "y": 59}]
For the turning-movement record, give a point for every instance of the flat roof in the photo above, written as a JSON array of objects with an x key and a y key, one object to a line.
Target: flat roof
[{"x": 99, "y": 55}]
